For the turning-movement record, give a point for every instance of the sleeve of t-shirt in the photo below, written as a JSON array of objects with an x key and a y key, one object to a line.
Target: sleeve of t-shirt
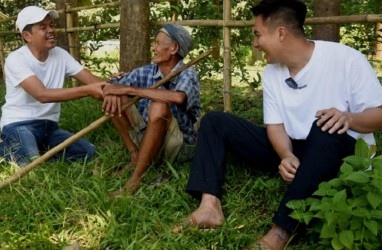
[
  {"x": 16, "y": 69},
  {"x": 366, "y": 90},
  {"x": 72, "y": 66},
  {"x": 270, "y": 104}
]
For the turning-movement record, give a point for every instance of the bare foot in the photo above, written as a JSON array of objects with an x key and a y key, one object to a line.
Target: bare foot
[
  {"x": 129, "y": 166},
  {"x": 207, "y": 216},
  {"x": 276, "y": 239},
  {"x": 129, "y": 188}
]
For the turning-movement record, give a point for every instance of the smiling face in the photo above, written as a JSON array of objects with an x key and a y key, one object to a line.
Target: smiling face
[
  {"x": 42, "y": 35},
  {"x": 266, "y": 39},
  {"x": 163, "y": 48}
]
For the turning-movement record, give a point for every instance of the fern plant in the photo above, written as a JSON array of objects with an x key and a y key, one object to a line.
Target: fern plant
[{"x": 346, "y": 211}]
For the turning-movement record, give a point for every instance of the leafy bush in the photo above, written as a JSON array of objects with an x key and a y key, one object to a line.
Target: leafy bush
[{"x": 347, "y": 211}]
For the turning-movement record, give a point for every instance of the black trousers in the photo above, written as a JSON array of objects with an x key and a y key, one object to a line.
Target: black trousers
[{"x": 320, "y": 158}]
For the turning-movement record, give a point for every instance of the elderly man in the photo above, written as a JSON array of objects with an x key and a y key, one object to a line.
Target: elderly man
[
  {"x": 165, "y": 122},
  {"x": 34, "y": 77}
]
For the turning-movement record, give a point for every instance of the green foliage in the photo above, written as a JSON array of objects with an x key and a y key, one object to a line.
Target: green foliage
[
  {"x": 346, "y": 211},
  {"x": 360, "y": 36}
]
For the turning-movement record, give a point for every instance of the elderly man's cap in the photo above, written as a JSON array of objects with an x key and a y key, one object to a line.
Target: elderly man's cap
[
  {"x": 179, "y": 34},
  {"x": 32, "y": 15}
]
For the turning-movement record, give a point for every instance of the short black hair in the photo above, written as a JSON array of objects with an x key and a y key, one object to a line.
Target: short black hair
[
  {"x": 291, "y": 12},
  {"x": 28, "y": 28}
]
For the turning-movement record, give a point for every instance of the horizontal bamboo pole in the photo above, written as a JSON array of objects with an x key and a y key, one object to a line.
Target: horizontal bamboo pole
[
  {"x": 233, "y": 23},
  {"x": 103, "y": 5},
  {"x": 34, "y": 164}
]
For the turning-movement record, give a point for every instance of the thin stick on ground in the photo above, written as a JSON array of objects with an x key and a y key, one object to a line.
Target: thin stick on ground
[{"x": 49, "y": 154}]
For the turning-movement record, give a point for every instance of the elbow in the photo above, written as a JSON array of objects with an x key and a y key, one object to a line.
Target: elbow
[
  {"x": 180, "y": 98},
  {"x": 42, "y": 99}
]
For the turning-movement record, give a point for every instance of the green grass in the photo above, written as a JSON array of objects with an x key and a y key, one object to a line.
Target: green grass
[{"x": 59, "y": 203}]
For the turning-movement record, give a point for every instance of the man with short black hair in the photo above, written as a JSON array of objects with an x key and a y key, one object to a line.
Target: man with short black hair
[
  {"x": 34, "y": 77},
  {"x": 319, "y": 98}
]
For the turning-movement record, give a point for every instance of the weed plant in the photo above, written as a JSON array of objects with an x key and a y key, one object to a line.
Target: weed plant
[{"x": 59, "y": 203}]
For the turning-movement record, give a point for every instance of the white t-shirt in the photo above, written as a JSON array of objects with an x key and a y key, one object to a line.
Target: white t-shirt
[
  {"x": 336, "y": 76},
  {"x": 21, "y": 64}
]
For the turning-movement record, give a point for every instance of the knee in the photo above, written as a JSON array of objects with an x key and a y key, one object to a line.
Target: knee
[
  {"x": 212, "y": 118},
  {"x": 158, "y": 110},
  {"x": 316, "y": 134}
]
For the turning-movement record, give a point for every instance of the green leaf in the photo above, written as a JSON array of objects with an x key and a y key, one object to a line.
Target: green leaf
[
  {"x": 315, "y": 205},
  {"x": 360, "y": 212},
  {"x": 346, "y": 168},
  {"x": 377, "y": 167},
  {"x": 372, "y": 225},
  {"x": 336, "y": 183},
  {"x": 327, "y": 231},
  {"x": 353, "y": 161},
  {"x": 374, "y": 199},
  {"x": 341, "y": 206},
  {"x": 336, "y": 243},
  {"x": 307, "y": 217},
  {"x": 347, "y": 238},
  {"x": 358, "y": 177},
  {"x": 360, "y": 201},
  {"x": 296, "y": 204},
  {"x": 361, "y": 148},
  {"x": 356, "y": 224},
  {"x": 340, "y": 196},
  {"x": 377, "y": 184},
  {"x": 366, "y": 163},
  {"x": 377, "y": 214},
  {"x": 331, "y": 218}
]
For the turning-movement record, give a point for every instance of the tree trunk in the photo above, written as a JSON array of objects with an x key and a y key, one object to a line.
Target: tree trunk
[
  {"x": 323, "y": 8},
  {"x": 134, "y": 34}
]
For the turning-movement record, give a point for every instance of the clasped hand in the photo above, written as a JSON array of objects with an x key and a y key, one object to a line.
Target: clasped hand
[
  {"x": 112, "y": 99},
  {"x": 288, "y": 167}
]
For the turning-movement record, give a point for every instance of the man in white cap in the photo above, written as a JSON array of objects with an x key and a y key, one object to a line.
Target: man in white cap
[
  {"x": 34, "y": 76},
  {"x": 166, "y": 118}
]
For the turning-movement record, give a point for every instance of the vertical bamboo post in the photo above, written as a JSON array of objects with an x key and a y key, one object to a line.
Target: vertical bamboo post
[
  {"x": 69, "y": 24},
  {"x": 71, "y": 41},
  {"x": 174, "y": 16},
  {"x": 378, "y": 46},
  {"x": 227, "y": 57},
  {"x": 2, "y": 59}
]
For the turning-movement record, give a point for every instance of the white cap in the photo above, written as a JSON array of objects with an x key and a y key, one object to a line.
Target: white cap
[{"x": 32, "y": 15}]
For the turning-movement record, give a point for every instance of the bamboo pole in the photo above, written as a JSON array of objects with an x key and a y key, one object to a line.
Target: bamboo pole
[
  {"x": 370, "y": 18},
  {"x": 227, "y": 77},
  {"x": 49, "y": 154}
]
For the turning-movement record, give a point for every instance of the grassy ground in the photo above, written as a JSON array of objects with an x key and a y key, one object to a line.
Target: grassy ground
[{"x": 60, "y": 203}]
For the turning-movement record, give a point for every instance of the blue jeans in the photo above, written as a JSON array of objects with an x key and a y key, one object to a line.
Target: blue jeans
[{"x": 24, "y": 141}]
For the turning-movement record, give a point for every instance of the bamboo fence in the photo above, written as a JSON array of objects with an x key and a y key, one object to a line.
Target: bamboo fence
[{"x": 227, "y": 24}]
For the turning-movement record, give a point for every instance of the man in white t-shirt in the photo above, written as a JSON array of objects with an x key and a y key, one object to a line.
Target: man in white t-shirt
[
  {"x": 319, "y": 97},
  {"x": 34, "y": 76}
]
